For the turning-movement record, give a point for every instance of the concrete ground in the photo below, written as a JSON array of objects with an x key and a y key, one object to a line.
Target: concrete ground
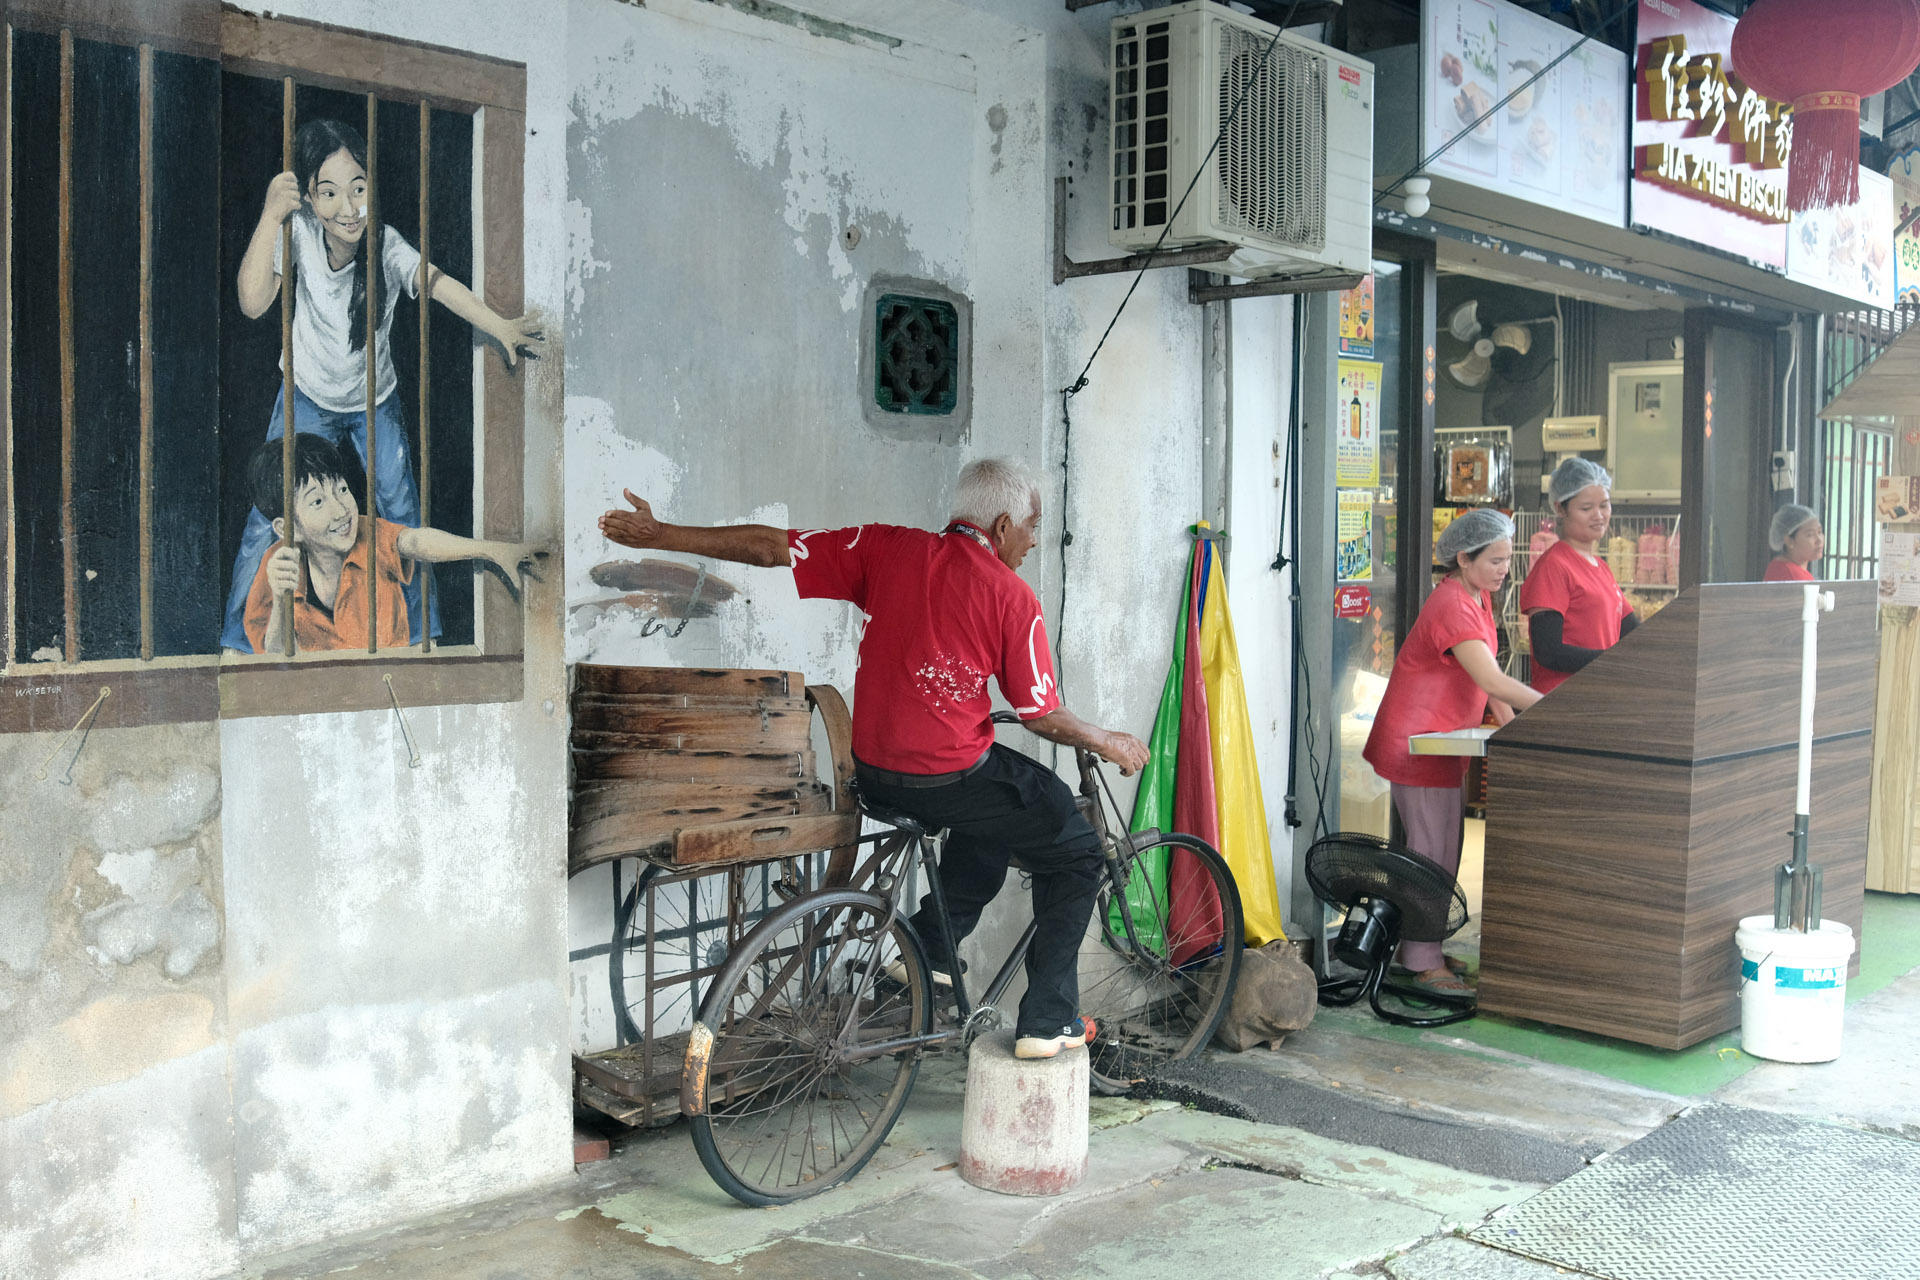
[{"x": 1352, "y": 1150}]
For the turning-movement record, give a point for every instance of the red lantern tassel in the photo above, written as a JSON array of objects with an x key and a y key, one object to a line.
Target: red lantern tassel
[{"x": 1824, "y": 170}]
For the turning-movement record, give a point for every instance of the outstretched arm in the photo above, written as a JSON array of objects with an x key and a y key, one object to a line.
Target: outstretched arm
[
  {"x": 523, "y": 335},
  {"x": 1069, "y": 730},
  {"x": 436, "y": 546},
  {"x": 759, "y": 544}
]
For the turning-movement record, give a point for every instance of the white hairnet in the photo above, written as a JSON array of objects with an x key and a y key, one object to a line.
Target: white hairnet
[
  {"x": 1573, "y": 475},
  {"x": 1786, "y": 522},
  {"x": 1469, "y": 532}
]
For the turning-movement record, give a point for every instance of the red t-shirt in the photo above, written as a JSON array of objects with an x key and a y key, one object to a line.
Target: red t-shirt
[
  {"x": 1429, "y": 691},
  {"x": 943, "y": 614},
  {"x": 1787, "y": 571},
  {"x": 1583, "y": 592}
]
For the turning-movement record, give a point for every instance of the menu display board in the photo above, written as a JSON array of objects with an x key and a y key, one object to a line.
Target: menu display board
[{"x": 1557, "y": 141}]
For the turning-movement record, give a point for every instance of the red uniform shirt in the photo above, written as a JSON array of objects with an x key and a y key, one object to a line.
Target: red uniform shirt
[
  {"x": 1787, "y": 571},
  {"x": 1584, "y": 593},
  {"x": 943, "y": 614},
  {"x": 1429, "y": 691}
]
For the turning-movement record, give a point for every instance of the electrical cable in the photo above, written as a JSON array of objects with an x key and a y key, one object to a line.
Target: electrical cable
[
  {"x": 1302, "y": 681},
  {"x": 1628, "y": 7},
  {"x": 1080, "y": 383}
]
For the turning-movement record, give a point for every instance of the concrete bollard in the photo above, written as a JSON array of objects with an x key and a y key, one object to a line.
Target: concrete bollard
[{"x": 1024, "y": 1128}]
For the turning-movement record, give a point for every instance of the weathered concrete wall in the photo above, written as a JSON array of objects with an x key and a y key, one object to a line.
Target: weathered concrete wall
[
  {"x": 719, "y": 153},
  {"x": 260, "y": 982},
  {"x": 116, "y": 1146}
]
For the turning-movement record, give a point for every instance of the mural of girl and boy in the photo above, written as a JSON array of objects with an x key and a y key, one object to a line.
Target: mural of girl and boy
[{"x": 327, "y": 198}]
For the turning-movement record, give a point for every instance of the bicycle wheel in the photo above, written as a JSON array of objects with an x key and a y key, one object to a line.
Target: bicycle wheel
[
  {"x": 670, "y": 930},
  {"x": 1160, "y": 960},
  {"x": 796, "y": 1099}
]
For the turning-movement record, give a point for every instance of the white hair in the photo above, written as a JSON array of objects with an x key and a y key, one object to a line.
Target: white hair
[{"x": 993, "y": 487}]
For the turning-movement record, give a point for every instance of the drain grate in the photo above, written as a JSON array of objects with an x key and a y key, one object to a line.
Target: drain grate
[{"x": 1725, "y": 1191}]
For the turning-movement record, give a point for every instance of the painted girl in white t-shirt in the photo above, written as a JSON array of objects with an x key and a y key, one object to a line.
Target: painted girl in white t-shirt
[{"x": 326, "y": 196}]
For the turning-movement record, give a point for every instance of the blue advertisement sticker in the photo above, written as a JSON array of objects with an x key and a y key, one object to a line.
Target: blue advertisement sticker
[{"x": 1810, "y": 979}]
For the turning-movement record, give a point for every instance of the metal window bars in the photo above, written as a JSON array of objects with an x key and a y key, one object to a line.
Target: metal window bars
[
  {"x": 1852, "y": 454},
  {"x": 72, "y": 647}
]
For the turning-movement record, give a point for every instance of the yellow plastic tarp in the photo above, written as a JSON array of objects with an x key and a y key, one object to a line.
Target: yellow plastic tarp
[{"x": 1236, "y": 775}]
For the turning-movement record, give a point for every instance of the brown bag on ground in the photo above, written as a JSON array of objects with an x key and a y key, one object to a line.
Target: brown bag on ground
[{"x": 1276, "y": 993}]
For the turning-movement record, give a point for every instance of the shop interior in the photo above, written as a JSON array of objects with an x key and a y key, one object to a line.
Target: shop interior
[{"x": 1522, "y": 377}]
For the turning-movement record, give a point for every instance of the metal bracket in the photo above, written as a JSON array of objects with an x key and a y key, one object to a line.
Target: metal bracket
[
  {"x": 1201, "y": 288},
  {"x": 1065, "y": 268},
  {"x": 106, "y": 691},
  {"x": 653, "y": 626},
  {"x": 414, "y": 759}
]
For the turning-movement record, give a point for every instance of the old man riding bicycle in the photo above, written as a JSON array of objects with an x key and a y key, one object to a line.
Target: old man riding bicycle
[{"x": 947, "y": 611}]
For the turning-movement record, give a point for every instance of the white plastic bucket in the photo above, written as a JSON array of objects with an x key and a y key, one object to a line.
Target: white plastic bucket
[{"x": 1793, "y": 989}]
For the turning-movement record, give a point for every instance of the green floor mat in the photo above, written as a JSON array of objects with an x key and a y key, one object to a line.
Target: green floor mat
[{"x": 1890, "y": 948}]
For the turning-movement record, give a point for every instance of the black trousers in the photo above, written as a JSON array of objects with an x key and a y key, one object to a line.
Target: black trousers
[{"x": 1011, "y": 807}]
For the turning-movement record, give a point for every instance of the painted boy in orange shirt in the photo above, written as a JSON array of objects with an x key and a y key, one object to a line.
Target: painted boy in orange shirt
[{"x": 330, "y": 599}]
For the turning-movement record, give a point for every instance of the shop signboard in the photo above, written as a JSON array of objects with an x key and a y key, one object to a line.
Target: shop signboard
[
  {"x": 1558, "y": 142},
  {"x": 1709, "y": 154},
  {"x": 1353, "y": 536},
  {"x": 1848, "y": 250},
  {"x": 1356, "y": 319},
  {"x": 1904, "y": 173},
  {"x": 1356, "y": 461}
]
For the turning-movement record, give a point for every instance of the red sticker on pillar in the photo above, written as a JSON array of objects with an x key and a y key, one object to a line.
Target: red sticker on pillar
[{"x": 1352, "y": 602}]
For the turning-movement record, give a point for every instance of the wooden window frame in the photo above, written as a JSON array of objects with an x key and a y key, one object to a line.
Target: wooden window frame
[{"x": 53, "y": 697}]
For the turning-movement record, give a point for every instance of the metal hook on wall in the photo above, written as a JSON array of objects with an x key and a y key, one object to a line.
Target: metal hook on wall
[
  {"x": 653, "y": 626},
  {"x": 66, "y": 779},
  {"x": 414, "y": 758}
]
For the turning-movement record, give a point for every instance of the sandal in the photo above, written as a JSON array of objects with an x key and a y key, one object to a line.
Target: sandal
[{"x": 1451, "y": 986}]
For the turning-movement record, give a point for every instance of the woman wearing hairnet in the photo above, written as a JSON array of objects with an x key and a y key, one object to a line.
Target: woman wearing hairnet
[
  {"x": 1797, "y": 541},
  {"x": 1443, "y": 676},
  {"x": 1574, "y": 608}
]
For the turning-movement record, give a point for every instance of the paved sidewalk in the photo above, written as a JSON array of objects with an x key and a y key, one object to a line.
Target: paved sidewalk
[{"x": 1171, "y": 1192}]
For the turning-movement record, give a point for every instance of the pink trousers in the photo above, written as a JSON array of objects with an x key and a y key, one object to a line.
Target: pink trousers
[{"x": 1435, "y": 818}]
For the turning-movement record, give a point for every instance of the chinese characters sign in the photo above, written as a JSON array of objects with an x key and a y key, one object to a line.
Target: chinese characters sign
[
  {"x": 1677, "y": 85},
  {"x": 1708, "y": 152}
]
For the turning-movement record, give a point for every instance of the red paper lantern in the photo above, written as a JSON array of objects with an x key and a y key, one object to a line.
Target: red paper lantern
[{"x": 1823, "y": 58}]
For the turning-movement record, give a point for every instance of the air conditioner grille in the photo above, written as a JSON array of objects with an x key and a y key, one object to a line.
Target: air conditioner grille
[{"x": 1273, "y": 161}]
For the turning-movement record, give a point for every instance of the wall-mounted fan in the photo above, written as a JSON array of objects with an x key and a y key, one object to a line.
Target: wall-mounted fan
[
  {"x": 1390, "y": 895},
  {"x": 1502, "y": 359}
]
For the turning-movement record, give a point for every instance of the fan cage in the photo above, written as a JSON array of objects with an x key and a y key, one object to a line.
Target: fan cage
[
  {"x": 1347, "y": 866},
  {"x": 1272, "y": 163}
]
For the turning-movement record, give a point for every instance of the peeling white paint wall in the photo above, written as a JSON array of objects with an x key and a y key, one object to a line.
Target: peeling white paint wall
[{"x": 716, "y": 160}]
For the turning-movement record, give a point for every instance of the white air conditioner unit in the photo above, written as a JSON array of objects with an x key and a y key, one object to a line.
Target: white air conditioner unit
[
  {"x": 1291, "y": 183},
  {"x": 1573, "y": 435}
]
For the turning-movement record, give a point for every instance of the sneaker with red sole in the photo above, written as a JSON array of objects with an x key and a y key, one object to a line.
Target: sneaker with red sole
[{"x": 1077, "y": 1035}]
